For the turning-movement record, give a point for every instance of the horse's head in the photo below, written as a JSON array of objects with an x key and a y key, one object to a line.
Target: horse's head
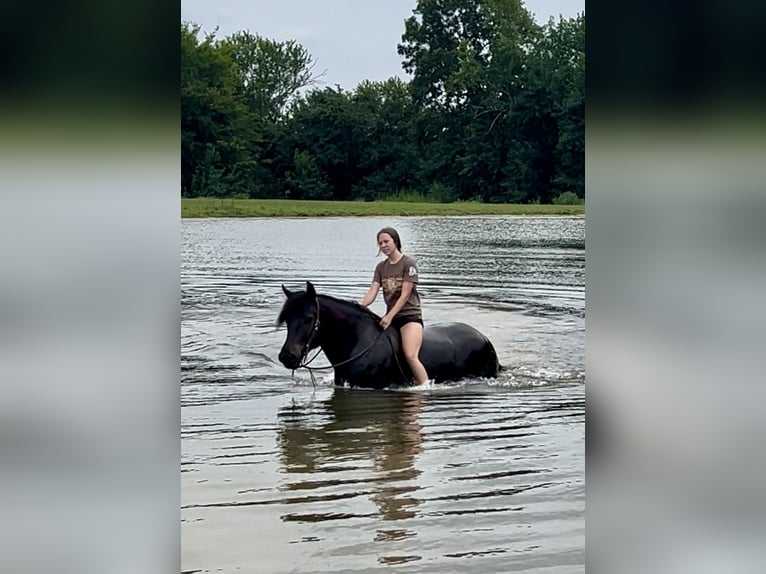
[{"x": 301, "y": 314}]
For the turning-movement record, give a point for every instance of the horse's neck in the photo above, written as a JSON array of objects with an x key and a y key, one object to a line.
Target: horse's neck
[{"x": 343, "y": 329}]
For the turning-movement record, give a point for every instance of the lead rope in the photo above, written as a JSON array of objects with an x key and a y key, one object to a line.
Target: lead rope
[
  {"x": 354, "y": 358},
  {"x": 315, "y": 331},
  {"x": 332, "y": 366}
]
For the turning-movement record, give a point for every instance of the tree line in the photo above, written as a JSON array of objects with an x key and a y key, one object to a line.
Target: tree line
[{"x": 494, "y": 111}]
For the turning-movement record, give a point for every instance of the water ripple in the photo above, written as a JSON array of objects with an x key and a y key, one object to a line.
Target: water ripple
[{"x": 481, "y": 475}]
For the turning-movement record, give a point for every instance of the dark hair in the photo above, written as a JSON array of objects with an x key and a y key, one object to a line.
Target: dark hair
[{"x": 394, "y": 235}]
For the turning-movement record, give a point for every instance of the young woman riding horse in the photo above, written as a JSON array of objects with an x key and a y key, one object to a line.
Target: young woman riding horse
[
  {"x": 398, "y": 275},
  {"x": 363, "y": 354}
]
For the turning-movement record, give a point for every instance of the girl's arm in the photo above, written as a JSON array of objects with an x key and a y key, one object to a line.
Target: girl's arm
[
  {"x": 369, "y": 297},
  {"x": 406, "y": 291}
]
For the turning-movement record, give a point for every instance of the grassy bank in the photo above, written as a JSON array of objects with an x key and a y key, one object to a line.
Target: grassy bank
[{"x": 214, "y": 207}]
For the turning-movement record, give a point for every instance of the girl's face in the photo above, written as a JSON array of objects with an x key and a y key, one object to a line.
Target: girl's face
[{"x": 386, "y": 244}]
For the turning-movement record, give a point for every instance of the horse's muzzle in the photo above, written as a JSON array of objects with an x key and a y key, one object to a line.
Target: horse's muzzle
[{"x": 289, "y": 359}]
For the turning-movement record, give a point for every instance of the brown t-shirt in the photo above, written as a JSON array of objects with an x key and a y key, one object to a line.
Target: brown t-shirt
[{"x": 390, "y": 277}]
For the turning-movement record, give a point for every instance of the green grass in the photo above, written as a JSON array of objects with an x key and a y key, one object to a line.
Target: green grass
[{"x": 215, "y": 207}]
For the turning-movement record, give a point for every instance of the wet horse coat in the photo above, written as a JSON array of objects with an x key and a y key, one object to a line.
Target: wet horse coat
[{"x": 365, "y": 355}]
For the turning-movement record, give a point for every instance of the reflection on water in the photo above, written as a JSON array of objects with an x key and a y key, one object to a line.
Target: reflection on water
[
  {"x": 378, "y": 430},
  {"x": 483, "y": 475}
]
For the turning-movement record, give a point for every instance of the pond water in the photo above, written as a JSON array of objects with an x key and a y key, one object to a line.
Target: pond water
[{"x": 485, "y": 476}]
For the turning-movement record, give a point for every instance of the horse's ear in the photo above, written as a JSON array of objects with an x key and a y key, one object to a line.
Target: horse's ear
[
  {"x": 310, "y": 289},
  {"x": 287, "y": 293}
]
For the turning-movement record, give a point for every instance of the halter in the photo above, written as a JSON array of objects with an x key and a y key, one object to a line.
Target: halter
[{"x": 312, "y": 335}]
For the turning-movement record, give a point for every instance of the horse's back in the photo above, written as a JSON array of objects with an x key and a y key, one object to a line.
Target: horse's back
[{"x": 451, "y": 351}]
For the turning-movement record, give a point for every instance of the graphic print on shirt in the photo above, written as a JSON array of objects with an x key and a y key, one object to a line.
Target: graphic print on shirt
[{"x": 391, "y": 285}]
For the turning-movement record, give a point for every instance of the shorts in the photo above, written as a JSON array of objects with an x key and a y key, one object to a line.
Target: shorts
[{"x": 400, "y": 321}]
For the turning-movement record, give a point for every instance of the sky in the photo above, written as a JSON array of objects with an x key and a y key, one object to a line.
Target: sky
[{"x": 353, "y": 40}]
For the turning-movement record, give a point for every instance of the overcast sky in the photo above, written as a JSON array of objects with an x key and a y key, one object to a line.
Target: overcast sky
[{"x": 353, "y": 40}]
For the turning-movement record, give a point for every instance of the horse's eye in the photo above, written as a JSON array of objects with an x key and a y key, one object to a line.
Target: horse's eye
[{"x": 308, "y": 320}]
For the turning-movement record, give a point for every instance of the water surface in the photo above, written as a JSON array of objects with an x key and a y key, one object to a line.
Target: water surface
[{"x": 483, "y": 476}]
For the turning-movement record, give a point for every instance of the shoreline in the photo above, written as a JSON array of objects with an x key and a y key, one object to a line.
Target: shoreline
[{"x": 206, "y": 207}]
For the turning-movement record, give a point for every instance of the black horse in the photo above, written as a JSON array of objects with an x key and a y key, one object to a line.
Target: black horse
[{"x": 363, "y": 354}]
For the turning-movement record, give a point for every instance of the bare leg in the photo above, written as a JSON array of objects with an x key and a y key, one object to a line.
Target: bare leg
[{"x": 412, "y": 338}]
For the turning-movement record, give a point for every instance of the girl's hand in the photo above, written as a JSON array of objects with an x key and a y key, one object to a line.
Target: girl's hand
[{"x": 385, "y": 321}]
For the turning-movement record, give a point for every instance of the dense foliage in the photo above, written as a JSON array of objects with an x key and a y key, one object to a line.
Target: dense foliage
[{"x": 495, "y": 111}]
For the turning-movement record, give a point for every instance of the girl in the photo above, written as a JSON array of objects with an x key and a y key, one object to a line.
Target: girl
[{"x": 398, "y": 275}]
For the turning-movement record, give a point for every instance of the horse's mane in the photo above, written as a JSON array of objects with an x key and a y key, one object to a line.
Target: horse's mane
[{"x": 353, "y": 305}]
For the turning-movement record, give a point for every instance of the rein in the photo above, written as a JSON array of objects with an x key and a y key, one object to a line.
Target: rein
[{"x": 307, "y": 346}]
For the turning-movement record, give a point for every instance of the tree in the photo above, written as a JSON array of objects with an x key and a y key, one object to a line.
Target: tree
[
  {"x": 305, "y": 181},
  {"x": 362, "y": 142},
  {"x": 466, "y": 57},
  {"x": 388, "y": 159},
  {"x": 323, "y": 123},
  {"x": 211, "y": 113},
  {"x": 568, "y": 37},
  {"x": 495, "y": 110},
  {"x": 551, "y": 112},
  {"x": 502, "y": 119},
  {"x": 270, "y": 73}
]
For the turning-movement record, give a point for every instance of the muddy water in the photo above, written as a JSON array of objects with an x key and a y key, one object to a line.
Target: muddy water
[{"x": 484, "y": 476}]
